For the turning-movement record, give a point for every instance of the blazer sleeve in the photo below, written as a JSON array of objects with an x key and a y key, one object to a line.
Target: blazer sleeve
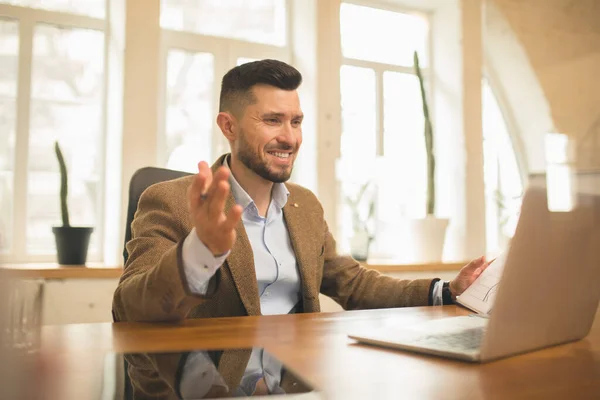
[
  {"x": 153, "y": 286},
  {"x": 356, "y": 287}
]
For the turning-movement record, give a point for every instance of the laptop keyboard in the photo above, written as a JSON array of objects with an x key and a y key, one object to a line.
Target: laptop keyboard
[{"x": 469, "y": 339}]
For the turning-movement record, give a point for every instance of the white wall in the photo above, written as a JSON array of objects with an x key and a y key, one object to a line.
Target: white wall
[
  {"x": 70, "y": 301},
  {"x": 515, "y": 82},
  {"x": 546, "y": 56}
]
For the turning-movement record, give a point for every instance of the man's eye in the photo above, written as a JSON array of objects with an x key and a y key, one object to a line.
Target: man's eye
[
  {"x": 297, "y": 123},
  {"x": 272, "y": 120}
]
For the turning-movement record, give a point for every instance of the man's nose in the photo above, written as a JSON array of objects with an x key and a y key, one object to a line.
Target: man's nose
[{"x": 287, "y": 135}]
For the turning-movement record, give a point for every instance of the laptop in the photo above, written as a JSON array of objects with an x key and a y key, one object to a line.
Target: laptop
[{"x": 548, "y": 292}]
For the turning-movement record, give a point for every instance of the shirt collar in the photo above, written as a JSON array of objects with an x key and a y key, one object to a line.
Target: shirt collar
[{"x": 279, "y": 194}]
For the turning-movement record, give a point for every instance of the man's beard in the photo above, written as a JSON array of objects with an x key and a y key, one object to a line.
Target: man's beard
[{"x": 253, "y": 161}]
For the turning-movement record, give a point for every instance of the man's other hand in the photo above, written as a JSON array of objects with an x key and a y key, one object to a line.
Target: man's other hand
[
  {"x": 207, "y": 195},
  {"x": 467, "y": 276}
]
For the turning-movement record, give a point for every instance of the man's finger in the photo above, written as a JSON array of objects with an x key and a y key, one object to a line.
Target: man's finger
[
  {"x": 485, "y": 265},
  {"x": 216, "y": 202},
  {"x": 196, "y": 189},
  {"x": 221, "y": 174},
  {"x": 233, "y": 218},
  {"x": 205, "y": 171},
  {"x": 480, "y": 261},
  {"x": 474, "y": 264}
]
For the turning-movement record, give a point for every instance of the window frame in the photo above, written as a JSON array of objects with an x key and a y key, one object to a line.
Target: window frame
[
  {"x": 515, "y": 141},
  {"x": 509, "y": 119},
  {"x": 27, "y": 18},
  {"x": 379, "y": 68},
  {"x": 226, "y": 52}
]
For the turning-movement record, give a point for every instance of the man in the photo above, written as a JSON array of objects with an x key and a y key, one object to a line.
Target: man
[{"x": 236, "y": 240}]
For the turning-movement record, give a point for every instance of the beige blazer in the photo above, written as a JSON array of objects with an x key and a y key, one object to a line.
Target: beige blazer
[{"x": 153, "y": 286}]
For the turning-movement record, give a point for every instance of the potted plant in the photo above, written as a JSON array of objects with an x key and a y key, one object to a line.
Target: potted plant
[
  {"x": 428, "y": 234},
  {"x": 71, "y": 242},
  {"x": 362, "y": 236}
]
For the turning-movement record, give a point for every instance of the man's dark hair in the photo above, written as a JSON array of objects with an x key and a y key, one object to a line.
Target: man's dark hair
[{"x": 236, "y": 87}]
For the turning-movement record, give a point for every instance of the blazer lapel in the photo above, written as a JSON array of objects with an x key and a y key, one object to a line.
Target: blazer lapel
[
  {"x": 232, "y": 366},
  {"x": 241, "y": 260},
  {"x": 241, "y": 265},
  {"x": 300, "y": 239}
]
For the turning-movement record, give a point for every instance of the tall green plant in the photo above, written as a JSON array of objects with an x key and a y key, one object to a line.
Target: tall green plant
[
  {"x": 428, "y": 131},
  {"x": 64, "y": 186}
]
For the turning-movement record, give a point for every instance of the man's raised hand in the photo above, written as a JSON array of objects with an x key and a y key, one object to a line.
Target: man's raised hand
[{"x": 207, "y": 195}]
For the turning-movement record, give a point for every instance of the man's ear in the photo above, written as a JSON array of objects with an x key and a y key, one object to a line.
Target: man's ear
[{"x": 226, "y": 122}]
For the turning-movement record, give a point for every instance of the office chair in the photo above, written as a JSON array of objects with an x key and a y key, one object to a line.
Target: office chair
[{"x": 140, "y": 181}]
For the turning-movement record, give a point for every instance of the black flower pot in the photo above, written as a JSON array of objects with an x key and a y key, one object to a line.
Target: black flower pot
[{"x": 72, "y": 244}]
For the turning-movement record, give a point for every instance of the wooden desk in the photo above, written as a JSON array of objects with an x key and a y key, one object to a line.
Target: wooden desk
[{"x": 316, "y": 346}]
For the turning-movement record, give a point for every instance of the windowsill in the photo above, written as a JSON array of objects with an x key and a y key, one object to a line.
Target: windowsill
[
  {"x": 388, "y": 266},
  {"x": 55, "y": 271},
  {"x": 100, "y": 271}
]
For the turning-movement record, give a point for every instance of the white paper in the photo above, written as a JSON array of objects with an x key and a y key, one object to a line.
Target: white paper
[{"x": 480, "y": 296}]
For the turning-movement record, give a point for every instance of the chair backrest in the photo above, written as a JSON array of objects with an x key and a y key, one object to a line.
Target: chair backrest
[{"x": 140, "y": 181}]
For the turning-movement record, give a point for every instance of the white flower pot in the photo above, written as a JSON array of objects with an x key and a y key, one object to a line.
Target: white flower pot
[{"x": 426, "y": 239}]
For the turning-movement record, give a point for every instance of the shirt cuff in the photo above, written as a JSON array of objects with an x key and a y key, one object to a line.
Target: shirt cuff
[
  {"x": 199, "y": 375},
  {"x": 199, "y": 264},
  {"x": 436, "y": 294}
]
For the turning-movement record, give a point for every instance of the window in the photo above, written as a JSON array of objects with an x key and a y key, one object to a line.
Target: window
[
  {"x": 189, "y": 119},
  {"x": 382, "y": 141},
  {"x": 91, "y": 8},
  {"x": 502, "y": 177},
  {"x": 370, "y": 34},
  {"x": 202, "y": 40},
  {"x": 66, "y": 105},
  {"x": 260, "y": 21},
  {"x": 245, "y": 60},
  {"x": 560, "y": 180},
  {"x": 9, "y": 50},
  {"x": 57, "y": 96}
]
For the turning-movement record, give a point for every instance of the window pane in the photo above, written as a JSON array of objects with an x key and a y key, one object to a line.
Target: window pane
[
  {"x": 383, "y": 36},
  {"x": 245, "y": 60},
  {"x": 9, "y": 51},
  {"x": 66, "y": 105},
  {"x": 359, "y": 112},
  {"x": 190, "y": 116},
  {"x": 358, "y": 142},
  {"x": 404, "y": 148},
  {"x": 261, "y": 21},
  {"x": 502, "y": 178},
  {"x": 92, "y": 8}
]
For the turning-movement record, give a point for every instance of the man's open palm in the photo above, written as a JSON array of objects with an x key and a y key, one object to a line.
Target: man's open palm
[{"x": 206, "y": 202}]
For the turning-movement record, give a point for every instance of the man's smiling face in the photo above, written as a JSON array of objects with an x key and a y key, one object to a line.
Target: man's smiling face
[{"x": 270, "y": 133}]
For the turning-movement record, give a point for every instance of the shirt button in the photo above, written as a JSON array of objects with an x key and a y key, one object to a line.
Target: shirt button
[{"x": 267, "y": 294}]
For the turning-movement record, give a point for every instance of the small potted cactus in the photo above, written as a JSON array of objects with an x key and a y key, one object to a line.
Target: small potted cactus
[{"x": 71, "y": 242}]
